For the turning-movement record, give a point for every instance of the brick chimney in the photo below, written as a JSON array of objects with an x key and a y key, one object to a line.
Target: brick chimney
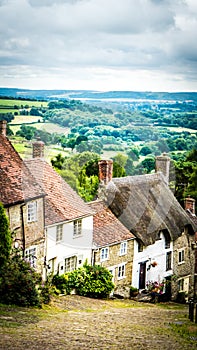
[
  {"x": 162, "y": 163},
  {"x": 105, "y": 171},
  {"x": 38, "y": 149},
  {"x": 3, "y": 126},
  {"x": 190, "y": 204}
]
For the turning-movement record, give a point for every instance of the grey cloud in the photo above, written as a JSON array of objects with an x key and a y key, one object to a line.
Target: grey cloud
[
  {"x": 43, "y": 3},
  {"x": 133, "y": 34}
]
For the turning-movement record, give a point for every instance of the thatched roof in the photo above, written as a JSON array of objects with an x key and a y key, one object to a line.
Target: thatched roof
[{"x": 146, "y": 205}]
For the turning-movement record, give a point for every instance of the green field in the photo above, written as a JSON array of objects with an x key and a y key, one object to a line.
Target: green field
[
  {"x": 49, "y": 127},
  {"x": 24, "y": 148},
  {"x": 4, "y": 103}
]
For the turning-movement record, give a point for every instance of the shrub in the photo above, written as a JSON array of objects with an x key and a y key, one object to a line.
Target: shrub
[
  {"x": 61, "y": 283},
  {"x": 90, "y": 281},
  {"x": 18, "y": 283}
]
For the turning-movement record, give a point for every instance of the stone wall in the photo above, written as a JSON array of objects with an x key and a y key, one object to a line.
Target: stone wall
[
  {"x": 183, "y": 270},
  {"x": 122, "y": 286}
]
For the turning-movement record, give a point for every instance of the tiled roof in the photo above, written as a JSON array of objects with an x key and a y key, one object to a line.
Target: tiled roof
[
  {"x": 17, "y": 183},
  {"x": 107, "y": 228},
  {"x": 62, "y": 202},
  {"x": 146, "y": 205}
]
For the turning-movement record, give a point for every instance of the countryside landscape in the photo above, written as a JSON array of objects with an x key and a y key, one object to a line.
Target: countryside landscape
[{"x": 79, "y": 128}]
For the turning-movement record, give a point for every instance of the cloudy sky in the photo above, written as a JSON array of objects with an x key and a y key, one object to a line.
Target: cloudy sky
[{"x": 99, "y": 44}]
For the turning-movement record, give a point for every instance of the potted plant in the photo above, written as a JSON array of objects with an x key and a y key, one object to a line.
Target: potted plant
[{"x": 133, "y": 292}]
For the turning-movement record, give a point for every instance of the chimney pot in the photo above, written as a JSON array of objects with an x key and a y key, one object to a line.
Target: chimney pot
[
  {"x": 3, "y": 126},
  {"x": 190, "y": 204},
  {"x": 105, "y": 171},
  {"x": 38, "y": 149}
]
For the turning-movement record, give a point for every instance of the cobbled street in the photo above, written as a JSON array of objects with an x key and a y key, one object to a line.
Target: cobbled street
[{"x": 74, "y": 323}]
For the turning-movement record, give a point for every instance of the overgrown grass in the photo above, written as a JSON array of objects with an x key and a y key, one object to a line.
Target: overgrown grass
[{"x": 186, "y": 330}]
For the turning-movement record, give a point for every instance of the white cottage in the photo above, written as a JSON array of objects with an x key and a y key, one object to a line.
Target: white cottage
[
  {"x": 146, "y": 206},
  {"x": 68, "y": 220}
]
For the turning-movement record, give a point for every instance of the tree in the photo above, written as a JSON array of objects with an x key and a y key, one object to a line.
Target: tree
[
  {"x": 145, "y": 150},
  {"x": 58, "y": 161},
  {"x": 5, "y": 237},
  {"x": 148, "y": 164}
]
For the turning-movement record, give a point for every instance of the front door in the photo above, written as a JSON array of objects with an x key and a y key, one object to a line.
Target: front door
[{"x": 142, "y": 276}]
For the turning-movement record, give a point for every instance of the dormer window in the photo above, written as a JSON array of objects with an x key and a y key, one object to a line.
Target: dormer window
[
  {"x": 167, "y": 239},
  {"x": 140, "y": 247},
  {"x": 32, "y": 211}
]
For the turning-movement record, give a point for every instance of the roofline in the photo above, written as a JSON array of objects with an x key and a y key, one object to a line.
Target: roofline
[
  {"x": 67, "y": 221},
  {"x": 111, "y": 244},
  {"x": 24, "y": 201}
]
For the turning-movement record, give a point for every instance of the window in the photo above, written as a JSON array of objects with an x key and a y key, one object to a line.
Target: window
[
  {"x": 104, "y": 254},
  {"x": 30, "y": 255},
  {"x": 167, "y": 239},
  {"x": 77, "y": 228},
  {"x": 70, "y": 263},
  {"x": 181, "y": 256},
  {"x": 121, "y": 271},
  {"x": 32, "y": 211},
  {"x": 59, "y": 233},
  {"x": 140, "y": 246},
  {"x": 168, "y": 261},
  {"x": 123, "y": 248},
  {"x": 181, "y": 285}
]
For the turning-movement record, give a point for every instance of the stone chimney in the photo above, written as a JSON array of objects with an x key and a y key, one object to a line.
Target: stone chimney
[
  {"x": 162, "y": 163},
  {"x": 190, "y": 204},
  {"x": 105, "y": 171},
  {"x": 3, "y": 126},
  {"x": 38, "y": 149}
]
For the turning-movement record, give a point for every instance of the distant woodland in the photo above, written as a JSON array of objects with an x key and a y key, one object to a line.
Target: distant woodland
[{"x": 134, "y": 131}]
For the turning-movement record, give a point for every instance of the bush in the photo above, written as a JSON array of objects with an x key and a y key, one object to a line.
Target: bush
[
  {"x": 61, "y": 283},
  {"x": 18, "y": 283},
  {"x": 90, "y": 281}
]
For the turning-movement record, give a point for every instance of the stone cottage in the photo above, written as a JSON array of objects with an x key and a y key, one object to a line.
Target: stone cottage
[{"x": 113, "y": 247}]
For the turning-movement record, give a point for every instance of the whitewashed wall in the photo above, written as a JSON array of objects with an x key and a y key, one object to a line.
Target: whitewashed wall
[
  {"x": 155, "y": 252},
  {"x": 81, "y": 246}
]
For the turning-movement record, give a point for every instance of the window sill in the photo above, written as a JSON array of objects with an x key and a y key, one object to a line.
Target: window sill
[{"x": 121, "y": 278}]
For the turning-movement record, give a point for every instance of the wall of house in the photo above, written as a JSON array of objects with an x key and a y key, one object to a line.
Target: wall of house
[
  {"x": 184, "y": 270},
  {"x": 122, "y": 285},
  {"x": 33, "y": 231},
  {"x": 152, "y": 253},
  {"x": 80, "y": 246}
]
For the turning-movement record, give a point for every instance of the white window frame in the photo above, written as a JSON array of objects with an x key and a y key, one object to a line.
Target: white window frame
[
  {"x": 181, "y": 256},
  {"x": 30, "y": 256},
  {"x": 121, "y": 271},
  {"x": 123, "y": 248},
  {"x": 70, "y": 263},
  {"x": 77, "y": 228},
  {"x": 104, "y": 254},
  {"x": 32, "y": 211},
  {"x": 169, "y": 260},
  {"x": 59, "y": 233},
  {"x": 181, "y": 285}
]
